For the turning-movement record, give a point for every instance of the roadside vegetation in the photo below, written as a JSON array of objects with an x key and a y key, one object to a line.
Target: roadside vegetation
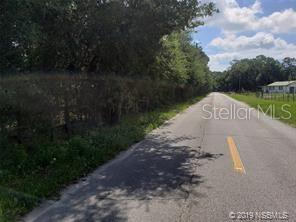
[
  {"x": 31, "y": 172},
  {"x": 83, "y": 80},
  {"x": 273, "y": 108}
]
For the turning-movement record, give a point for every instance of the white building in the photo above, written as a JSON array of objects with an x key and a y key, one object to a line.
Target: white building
[{"x": 281, "y": 87}]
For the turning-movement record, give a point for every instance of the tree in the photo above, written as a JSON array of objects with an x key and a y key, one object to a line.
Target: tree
[
  {"x": 119, "y": 36},
  {"x": 289, "y": 66},
  {"x": 181, "y": 62},
  {"x": 15, "y": 33}
]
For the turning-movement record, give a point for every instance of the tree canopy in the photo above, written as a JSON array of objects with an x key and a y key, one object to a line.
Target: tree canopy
[{"x": 119, "y": 36}]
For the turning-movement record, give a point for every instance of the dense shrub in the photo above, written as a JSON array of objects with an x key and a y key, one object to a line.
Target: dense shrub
[{"x": 51, "y": 106}]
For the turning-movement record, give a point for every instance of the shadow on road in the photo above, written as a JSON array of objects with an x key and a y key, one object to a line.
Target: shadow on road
[{"x": 159, "y": 169}]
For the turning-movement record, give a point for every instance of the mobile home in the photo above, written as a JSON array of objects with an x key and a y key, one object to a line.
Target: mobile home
[{"x": 281, "y": 87}]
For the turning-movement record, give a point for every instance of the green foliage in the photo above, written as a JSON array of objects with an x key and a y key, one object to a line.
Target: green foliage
[
  {"x": 183, "y": 63},
  {"x": 171, "y": 63},
  {"x": 14, "y": 203},
  {"x": 121, "y": 36},
  {"x": 39, "y": 170},
  {"x": 289, "y": 68},
  {"x": 56, "y": 128},
  {"x": 250, "y": 74},
  {"x": 55, "y": 106}
]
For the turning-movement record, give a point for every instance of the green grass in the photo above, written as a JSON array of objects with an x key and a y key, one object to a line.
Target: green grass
[
  {"x": 30, "y": 174},
  {"x": 265, "y": 104}
]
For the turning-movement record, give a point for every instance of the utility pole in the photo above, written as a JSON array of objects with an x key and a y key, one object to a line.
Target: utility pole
[{"x": 239, "y": 83}]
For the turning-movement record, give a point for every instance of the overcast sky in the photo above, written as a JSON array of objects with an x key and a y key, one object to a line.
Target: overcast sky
[{"x": 247, "y": 28}]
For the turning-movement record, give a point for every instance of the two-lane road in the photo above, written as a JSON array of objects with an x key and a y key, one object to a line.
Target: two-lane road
[{"x": 191, "y": 169}]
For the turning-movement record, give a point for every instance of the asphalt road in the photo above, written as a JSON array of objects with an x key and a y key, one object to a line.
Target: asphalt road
[{"x": 184, "y": 171}]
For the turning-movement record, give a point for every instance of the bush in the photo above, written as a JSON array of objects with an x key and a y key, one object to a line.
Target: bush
[
  {"x": 39, "y": 168},
  {"x": 55, "y": 105}
]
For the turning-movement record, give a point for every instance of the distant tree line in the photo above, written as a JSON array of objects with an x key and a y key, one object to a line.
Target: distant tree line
[{"x": 251, "y": 74}]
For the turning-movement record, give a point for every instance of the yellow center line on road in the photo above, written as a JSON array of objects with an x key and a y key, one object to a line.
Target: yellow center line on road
[{"x": 237, "y": 162}]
